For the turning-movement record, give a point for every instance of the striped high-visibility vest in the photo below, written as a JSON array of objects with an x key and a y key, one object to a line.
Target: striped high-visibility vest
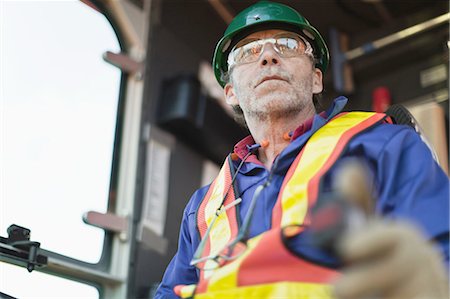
[{"x": 266, "y": 268}]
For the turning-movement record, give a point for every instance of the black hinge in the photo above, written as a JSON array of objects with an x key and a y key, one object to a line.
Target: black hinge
[{"x": 18, "y": 248}]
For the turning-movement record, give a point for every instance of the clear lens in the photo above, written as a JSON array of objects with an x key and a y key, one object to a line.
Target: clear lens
[
  {"x": 233, "y": 252},
  {"x": 228, "y": 254},
  {"x": 285, "y": 44},
  {"x": 290, "y": 47},
  {"x": 249, "y": 52}
]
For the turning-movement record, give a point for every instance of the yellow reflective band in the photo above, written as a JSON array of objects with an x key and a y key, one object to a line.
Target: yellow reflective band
[
  {"x": 221, "y": 233},
  {"x": 187, "y": 291},
  {"x": 316, "y": 153},
  {"x": 285, "y": 290}
]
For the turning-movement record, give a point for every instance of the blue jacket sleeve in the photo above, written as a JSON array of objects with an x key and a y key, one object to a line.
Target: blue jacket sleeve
[
  {"x": 179, "y": 271},
  {"x": 412, "y": 186}
]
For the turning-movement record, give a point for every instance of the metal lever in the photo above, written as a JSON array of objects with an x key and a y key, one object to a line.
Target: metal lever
[
  {"x": 108, "y": 221},
  {"x": 125, "y": 63}
]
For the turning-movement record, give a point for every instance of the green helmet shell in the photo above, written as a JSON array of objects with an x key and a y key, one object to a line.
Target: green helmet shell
[{"x": 264, "y": 14}]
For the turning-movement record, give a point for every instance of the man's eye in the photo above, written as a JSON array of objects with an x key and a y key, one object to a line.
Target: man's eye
[
  {"x": 255, "y": 50},
  {"x": 250, "y": 51},
  {"x": 283, "y": 46}
]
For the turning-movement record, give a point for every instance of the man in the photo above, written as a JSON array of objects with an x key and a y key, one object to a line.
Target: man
[{"x": 250, "y": 233}]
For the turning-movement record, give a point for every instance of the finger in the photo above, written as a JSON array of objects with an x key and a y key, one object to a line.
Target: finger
[
  {"x": 352, "y": 183},
  {"x": 378, "y": 238},
  {"x": 377, "y": 277},
  {"x": 413, "y": 289}
]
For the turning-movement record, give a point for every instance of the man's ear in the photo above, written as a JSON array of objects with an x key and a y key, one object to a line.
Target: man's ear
[
  {"x": 230, "y": 96},
  {"x": 317, "y": 81}
]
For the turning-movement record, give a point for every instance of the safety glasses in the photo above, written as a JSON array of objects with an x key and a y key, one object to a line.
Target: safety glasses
[
  {"x": 236, "y": 247},
  {"x": 286, "y": 44},
  {"x": 212, "y": 261}
]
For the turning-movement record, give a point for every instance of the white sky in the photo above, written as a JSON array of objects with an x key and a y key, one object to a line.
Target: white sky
[{"x": 58, "y": 102}]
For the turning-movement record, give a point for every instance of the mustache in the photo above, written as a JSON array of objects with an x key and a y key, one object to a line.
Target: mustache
[{"x": 284, "y": 75}]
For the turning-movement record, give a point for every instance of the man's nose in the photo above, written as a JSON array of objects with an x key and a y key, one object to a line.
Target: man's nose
[{"x": 269, "y": 56}]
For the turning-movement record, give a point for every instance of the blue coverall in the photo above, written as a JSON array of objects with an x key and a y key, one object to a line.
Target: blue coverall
[{"x": 410, "y": 186}]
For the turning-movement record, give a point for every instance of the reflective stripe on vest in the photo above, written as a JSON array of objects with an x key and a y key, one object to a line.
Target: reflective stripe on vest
[
  {"x": 297, "y": 194},
  {"x": 267, "y": 270},
  {"x": 300, "y": 187},
  {"x": 225, "y": 226}
]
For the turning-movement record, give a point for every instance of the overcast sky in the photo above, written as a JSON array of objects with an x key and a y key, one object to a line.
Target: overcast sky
[{"x": 58, "y": 106}]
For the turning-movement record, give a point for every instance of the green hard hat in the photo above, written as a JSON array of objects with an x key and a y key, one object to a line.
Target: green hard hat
[{"x": 267, "y": 15}]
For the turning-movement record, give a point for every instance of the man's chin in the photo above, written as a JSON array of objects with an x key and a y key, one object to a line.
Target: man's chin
[
  {"x": 267, "y": 95},
  {"x": 274, "y": 111},
  {"x": 274, "y": 100}
]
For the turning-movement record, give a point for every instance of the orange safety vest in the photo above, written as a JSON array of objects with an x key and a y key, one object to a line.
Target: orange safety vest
[{"x": 267, "y": 268}]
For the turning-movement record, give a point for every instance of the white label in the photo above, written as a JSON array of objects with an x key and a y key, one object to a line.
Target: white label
[{"x": 156, "y": 186}]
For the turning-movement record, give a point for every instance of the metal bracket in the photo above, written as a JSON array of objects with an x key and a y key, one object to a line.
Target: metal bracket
[
  {"x": 109, "y": 222},
  {"x": 18, "y": 248},
  {"x": 342, "y": 71}
]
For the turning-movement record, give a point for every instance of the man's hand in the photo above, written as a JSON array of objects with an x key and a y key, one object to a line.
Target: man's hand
[{"x": 390, "y": 260}]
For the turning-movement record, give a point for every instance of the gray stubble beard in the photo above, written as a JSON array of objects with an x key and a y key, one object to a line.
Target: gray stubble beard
[{"x": 298, "y": 99}]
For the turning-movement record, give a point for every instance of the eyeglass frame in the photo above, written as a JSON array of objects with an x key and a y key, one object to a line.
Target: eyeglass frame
[
  {"x": 242, "y": 236},
  {"x": 273, "y": 40}
]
